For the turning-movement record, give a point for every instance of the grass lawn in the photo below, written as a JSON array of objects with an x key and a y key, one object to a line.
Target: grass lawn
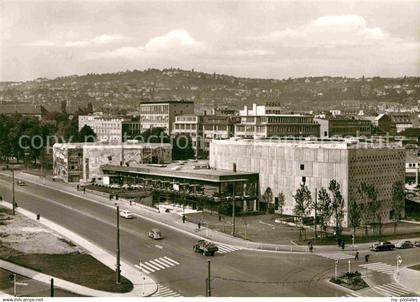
[
  {"x": 79, "y": 268},
  {"x": 351, "y": 280}
]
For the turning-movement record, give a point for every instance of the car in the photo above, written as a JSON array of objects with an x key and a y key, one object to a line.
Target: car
[
  {"x": 417, "y": 243},
  {"x": 404, "y": 244},
  {"x": 155, "y": 234},
  {"x": 21, "y": 183},
  {"x": 205, "y": 247},
  {"x": 382, "y": 246},
  {"x": 126, "y": 214}
]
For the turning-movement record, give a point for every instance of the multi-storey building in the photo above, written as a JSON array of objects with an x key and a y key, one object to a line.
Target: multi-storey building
[
  {"x": 74, "y": 162},
  {"x": 202, "y": 129},
  {"x": 162, "y": 114},
  {"x": 285, "y": 164},
  {"x": 265, "y": 121},
  {"x": 111, "y": 129},
  {"x": 344, "y": 126}
]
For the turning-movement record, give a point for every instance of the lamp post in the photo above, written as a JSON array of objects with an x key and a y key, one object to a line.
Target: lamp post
[
  {"x": 13, "y": 192},
  {"x": 233, "y": 210},
  {"x": 118, "y": 265}
]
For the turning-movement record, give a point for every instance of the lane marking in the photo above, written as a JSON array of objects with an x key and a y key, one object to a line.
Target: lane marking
[{"x": 158, "y": 246}]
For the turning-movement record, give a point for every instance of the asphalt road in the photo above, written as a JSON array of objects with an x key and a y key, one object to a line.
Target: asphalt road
[{"x": 238, "y": 273}]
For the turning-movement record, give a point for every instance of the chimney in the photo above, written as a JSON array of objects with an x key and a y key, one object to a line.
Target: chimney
[{"x": 234, "y": 167}]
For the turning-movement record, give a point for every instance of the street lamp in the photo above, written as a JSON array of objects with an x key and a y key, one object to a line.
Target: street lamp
[
  {"x": 399, "y": 262},
  {"x": 118, "y": 265}
]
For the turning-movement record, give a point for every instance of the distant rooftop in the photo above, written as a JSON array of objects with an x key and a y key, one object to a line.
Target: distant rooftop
[
  {"x": 127, "y": 145},
  {"x": 165, "y": 102}
]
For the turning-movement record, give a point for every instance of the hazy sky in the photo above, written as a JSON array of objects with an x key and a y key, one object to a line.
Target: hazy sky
[{"x": 268, "y": 39}]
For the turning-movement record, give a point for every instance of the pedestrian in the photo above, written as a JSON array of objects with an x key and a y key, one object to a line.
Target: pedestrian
[
  {"x": 311, "y": 247},
  {"x": 356, "y": 258},
  {"x": 131, "y": 202},
  {"x": 183, "y": 218},
  {"x": 339, "y": 242},
  {"x": 343, "y": 244},
  {"x": 220, "y": 217},
  {"x": 367, "y": 258},
  {"x": 199, "y": 224}
]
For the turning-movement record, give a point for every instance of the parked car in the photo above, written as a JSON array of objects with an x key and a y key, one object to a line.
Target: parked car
[
  {"x": 21, "y": 183},
  {"x": 404, "y": 244},
  {"x": 206, "y": 248},
  {"x": 155, "y": 234},
  {"x": 126, "y": 214},
  {"x": 417, "y": 243},
  {"x": 382, "y": 246}
]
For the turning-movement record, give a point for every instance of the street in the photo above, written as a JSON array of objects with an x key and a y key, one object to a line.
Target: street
[{"x": 172, "y": 263}]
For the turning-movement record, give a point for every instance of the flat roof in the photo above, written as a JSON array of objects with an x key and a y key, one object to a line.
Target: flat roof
[
  {"x": 196, "y": 170},
  {"x": 166, "y": 102},
  {"x": 311, "y": 143},
  {"x": 110, "y": 146}
]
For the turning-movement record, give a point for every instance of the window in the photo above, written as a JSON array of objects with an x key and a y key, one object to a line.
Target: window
[
  {"x": 303, "y": 179},
  {"x": 302, "y": 167}
]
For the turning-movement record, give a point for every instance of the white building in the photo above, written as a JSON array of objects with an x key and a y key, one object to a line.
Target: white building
[
  {"x": 74, "y": 162},
  {"x": 284, "y": 165}
]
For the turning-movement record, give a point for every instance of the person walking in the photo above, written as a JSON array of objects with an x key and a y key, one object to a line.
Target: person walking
[
  {"x": 343, "y": 244},
  {"x": 367, "y": 258},
  {"x": 183, "y": 218},
  {"x": 199, "y": 224},
  {"x": 356, "y": 258}
]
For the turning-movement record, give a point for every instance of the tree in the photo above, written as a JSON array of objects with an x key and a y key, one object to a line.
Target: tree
[
  {"x": 369, "y": 208},
  {"x": 398, "y": 203},
  {"x": 268, "y": 198},
  {"x": 337, "y": 205},
  {"x": 324, "y": 209},
  {"x": 86, "y": 134},
  {"x": 354, "y": 216},
  {"x": 303, "y": 205},
  {"x": 182, "y": 147},
  {"x": 282, "y": 203}
]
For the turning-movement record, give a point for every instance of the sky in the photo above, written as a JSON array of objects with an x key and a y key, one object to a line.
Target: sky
[{"x": 260, "y": 39}]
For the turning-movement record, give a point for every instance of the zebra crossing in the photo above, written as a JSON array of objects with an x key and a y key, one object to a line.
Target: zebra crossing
[
  {"x": 165, "y": 292},
  {"x": 392, "y": 289},
  {"x": 380, "y": 267},
  {"x": 224, "y": 249},
  {"x": 354, "y": 294},
  {"x": 155, "y": 265},
  {"x": 336, "y": 256}
]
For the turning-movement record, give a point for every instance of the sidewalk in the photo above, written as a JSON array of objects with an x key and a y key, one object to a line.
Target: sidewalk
[
  {"x": 174, "y": 221},
  {"x": 142, "y": 284},
  {"x": 409, "y": 278}
]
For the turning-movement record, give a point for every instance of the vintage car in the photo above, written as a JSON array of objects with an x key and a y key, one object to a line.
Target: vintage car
[
  {"x": 382, "y": 246},
  {"x": 206, "y": 248},
  {"x": 155, "y": 234}
]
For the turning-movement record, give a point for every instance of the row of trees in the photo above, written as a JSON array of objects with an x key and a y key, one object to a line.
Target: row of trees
[
  {"x": 329, "y": 206},
  {"x": 27, "y": 138}
]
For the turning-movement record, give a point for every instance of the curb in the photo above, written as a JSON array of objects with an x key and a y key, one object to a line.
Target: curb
[{"x": 94, "y": 250}]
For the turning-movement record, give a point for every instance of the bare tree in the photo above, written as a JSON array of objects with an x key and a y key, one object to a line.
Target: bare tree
[
  {"x": 282, "y": 202},
  {"x": 355, "y": 216}
]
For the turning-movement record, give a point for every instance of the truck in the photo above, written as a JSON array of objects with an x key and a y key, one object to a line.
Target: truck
[{"x": 206, "y": 248}]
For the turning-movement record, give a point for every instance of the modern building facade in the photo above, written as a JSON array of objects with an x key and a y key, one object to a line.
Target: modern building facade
[
  {"x": 111, "y": 129},
  {"x": 284, "y": 165},
  {"x": 81, "y": 161},
  {"x": 265, "y": 121},
  {"x": 162, "y": 114},
  {"x": 344, "y": 126}
]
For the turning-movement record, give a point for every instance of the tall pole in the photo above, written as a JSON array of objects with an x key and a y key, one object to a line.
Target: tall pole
[
  {"x": 209, "y": 279},
  {"x": 233, "y": 211},
  {"x": 52, "y": 288},
  {"x": 13, "y": 192},
  {"x": 316, "y": 200},
  {"x": 118, "y": 266},
  {"x": 14, "y": 285}
]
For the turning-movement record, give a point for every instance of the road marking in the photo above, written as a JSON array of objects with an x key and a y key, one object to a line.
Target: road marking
[
  {"x": 392, "y": 290},
  {"x": 158, "y": 246},
  {"x": 163, "y": 291},
  {"x": 224, "y": 249},
  {"x": 353, "y": 295},
  {"x": 156, "y": 264},
  {"x": 171, "y": 260},
  {"x": 380, "y": 267}
]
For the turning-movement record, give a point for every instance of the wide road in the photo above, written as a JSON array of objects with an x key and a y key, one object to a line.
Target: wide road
[{"x": 237, "y": 273}]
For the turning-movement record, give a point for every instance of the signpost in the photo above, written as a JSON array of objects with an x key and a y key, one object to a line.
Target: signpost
[
  {"x": 335, "y": 270},
  {"x": 349, "y": 266}
]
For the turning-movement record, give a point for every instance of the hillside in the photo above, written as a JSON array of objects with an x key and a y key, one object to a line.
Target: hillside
[{"x": 125, "y": 90}]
